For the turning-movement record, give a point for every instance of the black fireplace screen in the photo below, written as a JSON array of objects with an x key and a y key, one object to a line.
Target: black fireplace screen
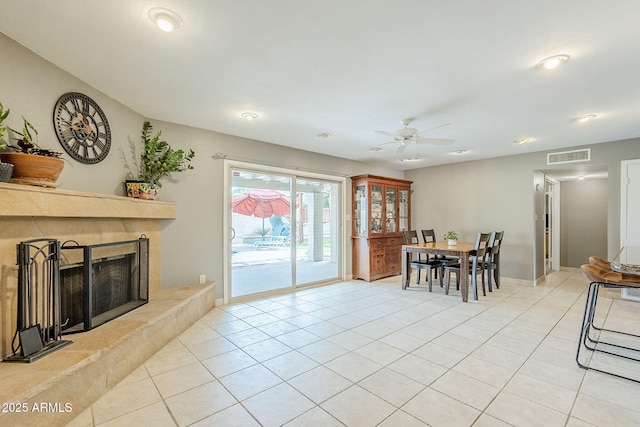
[{"x": 101, "y": 282}]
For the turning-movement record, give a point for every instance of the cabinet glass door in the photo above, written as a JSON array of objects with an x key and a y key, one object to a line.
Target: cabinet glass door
[
  {"x": 376, "y": 208},
  {"x": 390, "y": 200},
  {"x": 360, "y": 220},
  {"x": 403, "y": 209}
]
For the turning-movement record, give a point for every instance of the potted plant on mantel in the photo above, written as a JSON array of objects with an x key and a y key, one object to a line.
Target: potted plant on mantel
[
  {"x": 157, "y": 161},
  {"x": 31, "y": 164},
  {"x": 6, "y": 169},
  {"x": 451, "y": 237}
]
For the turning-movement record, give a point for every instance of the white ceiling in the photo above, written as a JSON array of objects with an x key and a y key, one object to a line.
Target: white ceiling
[{"x": 352, "y": 67}]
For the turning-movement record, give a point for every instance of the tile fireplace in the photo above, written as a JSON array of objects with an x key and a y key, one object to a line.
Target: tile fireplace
[
  {"x": 99, "y": 358},
  {"x": 29, "y": 212}
]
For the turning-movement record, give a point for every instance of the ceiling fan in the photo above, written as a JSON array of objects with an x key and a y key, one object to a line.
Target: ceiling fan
[{"x": 407, "y": 135}]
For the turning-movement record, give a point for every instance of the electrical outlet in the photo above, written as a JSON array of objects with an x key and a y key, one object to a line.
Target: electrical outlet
[{"x": 203, "y": 278}]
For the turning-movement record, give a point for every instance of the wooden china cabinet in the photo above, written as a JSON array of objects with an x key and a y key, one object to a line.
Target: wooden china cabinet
[{"x": 381, "y": 208}]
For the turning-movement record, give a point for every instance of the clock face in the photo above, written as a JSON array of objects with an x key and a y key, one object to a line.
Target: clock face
[{"x": 82, "y": 128}]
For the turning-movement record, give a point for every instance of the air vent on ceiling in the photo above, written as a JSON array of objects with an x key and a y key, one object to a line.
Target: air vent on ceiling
[{"x": 569, "y": 156}]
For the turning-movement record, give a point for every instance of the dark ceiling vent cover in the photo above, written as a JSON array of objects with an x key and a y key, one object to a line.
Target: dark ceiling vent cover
[{"x": 569, "y": 157}]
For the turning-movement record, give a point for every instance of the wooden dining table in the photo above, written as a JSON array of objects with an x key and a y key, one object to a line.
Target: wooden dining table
[{"x": 462, "y": 250}]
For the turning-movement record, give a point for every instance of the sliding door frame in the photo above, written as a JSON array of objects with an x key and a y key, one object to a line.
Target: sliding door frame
[{"x": 227, "y": 233}]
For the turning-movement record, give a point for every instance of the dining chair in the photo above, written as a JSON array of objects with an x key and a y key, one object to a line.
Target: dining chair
[
  {"x": 430, "y": 265},
  {"x": 476, "y": 265},
  {"x": 429, "y": 236},
  {"x": 492, "y": 263}
]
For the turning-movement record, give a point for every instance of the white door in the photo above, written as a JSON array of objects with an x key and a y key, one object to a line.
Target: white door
[{"x": 630, "y": 203}]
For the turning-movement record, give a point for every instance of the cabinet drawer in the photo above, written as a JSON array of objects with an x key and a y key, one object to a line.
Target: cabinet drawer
[
  {"x": 393, "y": 251},
  {"x": 394, "y": 268},
  {"x": 394, "y": 241}
]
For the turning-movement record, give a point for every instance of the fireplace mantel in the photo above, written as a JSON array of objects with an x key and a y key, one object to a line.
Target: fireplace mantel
[
  {"x": 29, "y": 201},
  {"x": 29, "y": 212}
]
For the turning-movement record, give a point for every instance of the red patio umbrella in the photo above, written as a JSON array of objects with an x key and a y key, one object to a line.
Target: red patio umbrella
[{"x": 261, "y": 203}]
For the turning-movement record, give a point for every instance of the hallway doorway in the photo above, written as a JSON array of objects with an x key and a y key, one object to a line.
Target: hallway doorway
[
  {"x": 574, "y": 225},
  {"x": 552, "y": 225}
]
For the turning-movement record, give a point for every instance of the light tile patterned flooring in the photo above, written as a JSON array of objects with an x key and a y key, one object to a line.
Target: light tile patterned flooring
[{"x": 370, "y": 354}]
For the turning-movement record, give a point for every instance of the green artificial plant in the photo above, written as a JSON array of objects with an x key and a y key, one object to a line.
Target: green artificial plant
[
  {"x": 451, "y": 235},
  {"x": 158, "y": 159},
  {"x": 3, "y": 116}
]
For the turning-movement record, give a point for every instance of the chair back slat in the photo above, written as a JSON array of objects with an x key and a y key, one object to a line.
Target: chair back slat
[
  {"x": 495, "y": 242},
  {"x": 429, "y": 236},
  {"x": 482, "y": 244},
  {"x": 410, "y": 237}
]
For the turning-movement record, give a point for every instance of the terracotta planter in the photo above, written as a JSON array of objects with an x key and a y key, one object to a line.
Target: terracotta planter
[
  {"x": 33, "y": 169},
  {"x": 141, "y": 190}
]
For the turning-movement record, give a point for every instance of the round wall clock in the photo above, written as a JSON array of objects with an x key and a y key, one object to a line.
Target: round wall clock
[{"x": 82, "y": 128}]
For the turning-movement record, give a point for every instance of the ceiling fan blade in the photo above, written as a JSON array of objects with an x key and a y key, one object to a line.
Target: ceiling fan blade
[
  {"x": 385, "y": 143},
  {"x": 392, "y": 135},
  {"x": 434, "y": 128},
  {"x": 401, "y": 148},
  {"x": 435, "y": 141}
]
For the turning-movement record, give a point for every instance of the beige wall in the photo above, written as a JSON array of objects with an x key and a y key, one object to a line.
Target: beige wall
[
  {"x": 499, "y": 194},
  {"x": 192, "y": 243},
  {"x": 468, "y": 197},
  {"x": 487, "y": 195}
]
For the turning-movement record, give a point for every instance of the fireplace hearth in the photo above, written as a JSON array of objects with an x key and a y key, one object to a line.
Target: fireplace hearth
[{"x": 101, "y": 282}]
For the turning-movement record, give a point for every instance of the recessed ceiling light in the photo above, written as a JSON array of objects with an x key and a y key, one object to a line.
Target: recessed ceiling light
[
  {"x": 375, "y": 149},
  {"x": 586, "y": 118},
  {"x": 247, "y": 115},
  {"x": 324, "y": 135},
  {"x": 522, "y": 141},
  {"x": 412, "y": 159},
  {"x": 165, "y": 19},
  {"x": 460, "y": 152},
  {"x": 552, "y": 62}
]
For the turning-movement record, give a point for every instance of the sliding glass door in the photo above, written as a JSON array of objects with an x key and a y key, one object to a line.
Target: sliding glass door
[
  {"x": 261, "y": 249},
  {"x": 285, "y": 230},
  {"x": 318, "y": 231}
]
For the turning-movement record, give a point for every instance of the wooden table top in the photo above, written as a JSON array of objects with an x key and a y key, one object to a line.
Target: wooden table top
[{"x": 442, "y": 245}]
